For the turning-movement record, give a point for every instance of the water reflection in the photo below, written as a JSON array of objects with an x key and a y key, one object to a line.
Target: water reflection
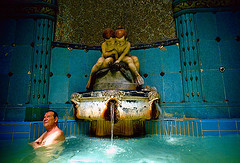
[{"x": 45, "y": 154}]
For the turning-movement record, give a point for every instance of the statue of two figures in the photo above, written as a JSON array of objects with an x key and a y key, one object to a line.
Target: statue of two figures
[{"x": 115, "y": 57}]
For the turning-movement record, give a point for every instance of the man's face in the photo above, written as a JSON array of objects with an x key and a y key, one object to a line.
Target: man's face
[{"x": 49, "y": 119}]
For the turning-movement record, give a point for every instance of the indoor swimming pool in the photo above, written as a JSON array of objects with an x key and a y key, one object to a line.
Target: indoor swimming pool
[{"x": 148, "y": 149}]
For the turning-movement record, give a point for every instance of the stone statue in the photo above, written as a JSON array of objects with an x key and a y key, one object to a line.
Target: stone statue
[
  {"x": 123, "y": 49},
  {"x": 116, "y": 56},
  {"x": 109, "y": 54}
]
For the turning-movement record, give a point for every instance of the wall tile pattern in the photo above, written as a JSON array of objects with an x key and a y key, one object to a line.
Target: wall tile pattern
[{"x": 183, "y": 127}]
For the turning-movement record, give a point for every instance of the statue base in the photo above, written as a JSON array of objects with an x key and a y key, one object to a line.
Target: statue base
[{"x": 114, "y": 80}]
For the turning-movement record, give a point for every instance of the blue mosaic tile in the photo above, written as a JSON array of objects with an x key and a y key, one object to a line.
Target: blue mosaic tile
[
  {"x": 6, "y": 128},
  {"x": 234, "y": 112},
  {"x": 237, "y": 20},
  {"x": 229, "y": 51},
  {"x": 6, "y": 136},
  {"x": 60, "y": 61},
  {"x": 172, "y": 87},
  {"x": 18, "y": 89},
  {"x": 228, "y": 132},
  {"x": 78, "y": 62},
  {"x": 231, "y": 81},
  {"x": 174, "y": 112},
  {"x": 226, "y": 25},
  {"x": 2, "y": 113},
  {"x": 20, "y": 135},
  {"x": 5, "y": 58},
  {"x": 77, "y": 84},
  {"x": 7, "y": 32},
  {"x": 213, "y": 86},
  {"x": 211, "y": 133},
  {"x": 58, "y": 89},
  {"x": 217, "y": 112},
  {"x": 153, "y": 61},
  {"x": 225, "y": 125},
  {"x": 15, "y": 114},
  {"x": 206, "y": 25},
  {"x": 192, "y": 112},
  {"x": 171, "y": 59},
  {"x": 21, "y": 59},
  {"x": 25, "y": 31},
  {"x": 4, "y": 84},
  {"x": 22, "y": 127},
  {"x": 210, "y": 125},
  {"x": 209, "y": 54}
]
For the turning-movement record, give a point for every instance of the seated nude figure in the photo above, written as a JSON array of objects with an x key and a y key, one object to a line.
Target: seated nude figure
[
  {"x": 53, "y": 134},
  {"x": 123, "y": 49},
  {"x": 109, "y": 54}
]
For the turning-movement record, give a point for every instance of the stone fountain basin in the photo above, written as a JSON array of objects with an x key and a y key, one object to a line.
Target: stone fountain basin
[{"x": 132, "y": 105}]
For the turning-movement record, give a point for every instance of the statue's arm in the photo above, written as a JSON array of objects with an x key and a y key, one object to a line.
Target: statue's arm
[
  {"x": 103, "y": 49},
  {"x": 105, "y": 54},
  {"x": 124, "y": 53}
]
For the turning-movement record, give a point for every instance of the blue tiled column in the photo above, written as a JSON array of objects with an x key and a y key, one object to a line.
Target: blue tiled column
[
  {"x": 26, "y": 36},
  {"x": 189, "y": 58},
  {"x": 41, "y": 54}
]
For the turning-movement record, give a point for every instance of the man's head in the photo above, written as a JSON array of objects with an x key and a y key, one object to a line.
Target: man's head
[{"x": 50, "y": 119}]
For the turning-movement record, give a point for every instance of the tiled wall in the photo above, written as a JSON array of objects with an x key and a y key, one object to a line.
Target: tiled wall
[
  {"x": 183, "y": 127},
  {"x": 78, "y": 64},
  {"x": 219, "y": 46},
  {"x": 194, "y": 127},
  {"x": 33, "y": 130}
]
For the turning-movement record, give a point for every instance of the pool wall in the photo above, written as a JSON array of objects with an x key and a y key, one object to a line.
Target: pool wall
[
  {"x": 184, "y": 127},
  {"x": 197, "y": 74}
]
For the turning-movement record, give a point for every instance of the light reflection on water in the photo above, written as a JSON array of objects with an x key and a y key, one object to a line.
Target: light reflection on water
[{"x": 142, "y": 150}]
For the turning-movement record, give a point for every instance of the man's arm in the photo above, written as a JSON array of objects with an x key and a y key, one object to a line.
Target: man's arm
[{"x": 37, "y": 143}]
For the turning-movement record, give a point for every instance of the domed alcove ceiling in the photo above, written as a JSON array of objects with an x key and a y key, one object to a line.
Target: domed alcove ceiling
[{"x": 82, "y": 22}]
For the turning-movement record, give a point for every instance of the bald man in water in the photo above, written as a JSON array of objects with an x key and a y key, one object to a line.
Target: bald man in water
[{"x": 53, "y": 134}]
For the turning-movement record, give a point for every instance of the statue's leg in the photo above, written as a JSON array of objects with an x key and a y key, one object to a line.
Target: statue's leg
[
  {"x": 107, "y": 61},
  {"x": 136, "y": 62},
  {"x": 133, "y": 69},
  {"x": 95, "y": 68}
]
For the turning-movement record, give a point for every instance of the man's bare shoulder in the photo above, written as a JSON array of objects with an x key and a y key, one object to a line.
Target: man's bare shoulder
[{"x": 60, "y": 134}]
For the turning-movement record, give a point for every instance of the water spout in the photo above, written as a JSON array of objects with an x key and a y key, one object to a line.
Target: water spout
[{"x": 161, "y": 117}]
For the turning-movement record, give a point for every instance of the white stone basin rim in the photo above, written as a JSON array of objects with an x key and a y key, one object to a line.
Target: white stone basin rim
[{"x": 132, "y": 105}]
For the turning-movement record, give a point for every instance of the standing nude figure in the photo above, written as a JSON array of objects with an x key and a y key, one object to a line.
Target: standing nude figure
[{"x": 109, "y": 54}]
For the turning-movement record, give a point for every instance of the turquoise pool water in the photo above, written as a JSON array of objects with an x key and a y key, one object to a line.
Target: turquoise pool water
[{"x": 148, "y": 149}]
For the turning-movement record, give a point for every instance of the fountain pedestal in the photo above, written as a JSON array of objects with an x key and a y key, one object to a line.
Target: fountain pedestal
[
  {"x": 129, "y": 108},
  {"x": 115, "y": 90}
]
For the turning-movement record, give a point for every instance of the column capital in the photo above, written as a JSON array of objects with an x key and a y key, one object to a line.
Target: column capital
[
  {"x": 28, "y": 9},
  {"x": 191, "y": 6}
]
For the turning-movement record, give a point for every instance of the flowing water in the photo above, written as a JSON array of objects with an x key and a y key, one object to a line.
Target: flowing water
[
  {"x": 162, "y": 118},
  {"x": 112, "y": 106},
  {"x": 66, "y": 118}
]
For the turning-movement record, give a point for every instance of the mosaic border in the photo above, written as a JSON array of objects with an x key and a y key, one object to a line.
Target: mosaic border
[
  {"x": 71, "y": 46},
  {"x": 183, "y": 127}
]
